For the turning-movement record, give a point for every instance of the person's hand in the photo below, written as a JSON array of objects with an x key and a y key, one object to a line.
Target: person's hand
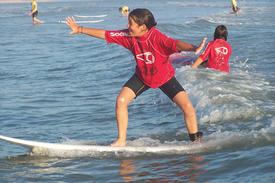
[
  {"x": 30, "y": 13},
  {"x": 72, "y": 24},
  {"x": 200, "y": 47}
]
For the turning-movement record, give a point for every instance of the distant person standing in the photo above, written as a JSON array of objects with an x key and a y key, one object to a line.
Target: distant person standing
[
  {"x": 34, "y": 13},
  {"x": 235, "y": 7},
  {"x": 124, "y": 10}
]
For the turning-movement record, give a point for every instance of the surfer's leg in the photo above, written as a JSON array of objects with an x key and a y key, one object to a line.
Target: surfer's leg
[
  {"x": 37, "y": 20},
  {"x": 177, "y": 94},
  {"x": 133, "y": 88},
  {"x": 124, "y": 98},
  {"x": 182, "y": 100}
]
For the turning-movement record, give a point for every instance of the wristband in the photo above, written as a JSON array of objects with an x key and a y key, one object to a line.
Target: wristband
[
  {"x": 80, "y": 29},
  {"x": 195, "y": 136}
]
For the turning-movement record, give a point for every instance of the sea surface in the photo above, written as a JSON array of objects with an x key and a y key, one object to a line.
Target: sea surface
[{"x": 61, "y": 88}]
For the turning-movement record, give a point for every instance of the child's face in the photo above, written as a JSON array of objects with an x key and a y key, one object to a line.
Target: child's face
[{"x": 135, "y": 29}]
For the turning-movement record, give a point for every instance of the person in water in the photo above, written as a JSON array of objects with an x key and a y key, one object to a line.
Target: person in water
[
  {"x": 124, "y": 10},
  {"x": 217, "y": 51},
  {"x": 34, "y": 13},
  {"x": 151, "y": 50},
  {"x": 235, "y": 7}
]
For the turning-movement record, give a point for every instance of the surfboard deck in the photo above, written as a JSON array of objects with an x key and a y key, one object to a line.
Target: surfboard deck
[
  {"x": 83, "y": 21},
  {"x": 34, "y": 145},
  {"x": 91, "y": 16}
]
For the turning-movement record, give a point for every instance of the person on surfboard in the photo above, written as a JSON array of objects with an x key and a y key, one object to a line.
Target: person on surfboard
[
  {"x": 151, "y": 50},
  {"x": 34, "y": 13},
  {"x": 217, "y": 51}
]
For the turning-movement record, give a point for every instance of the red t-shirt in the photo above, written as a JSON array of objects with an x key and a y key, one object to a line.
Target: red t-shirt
[
  {"x": 218, "y": 52},
  {"x": 151, "y": 52}
]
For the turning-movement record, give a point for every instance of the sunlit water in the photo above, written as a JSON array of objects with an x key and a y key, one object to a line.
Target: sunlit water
[{"x": 57, "y": 87}]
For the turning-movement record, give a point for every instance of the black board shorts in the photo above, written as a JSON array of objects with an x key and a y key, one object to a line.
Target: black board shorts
[
  {"x": 35, "y": 14},
  {"x": 171, "y": 88}
]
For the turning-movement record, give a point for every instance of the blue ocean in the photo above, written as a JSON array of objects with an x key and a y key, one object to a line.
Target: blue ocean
[{"x": 62, "y": 88}]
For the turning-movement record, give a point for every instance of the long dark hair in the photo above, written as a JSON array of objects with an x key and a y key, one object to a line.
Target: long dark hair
[
  {"x": 143, "y": 16},
  {"x": 221, "y": 32}
]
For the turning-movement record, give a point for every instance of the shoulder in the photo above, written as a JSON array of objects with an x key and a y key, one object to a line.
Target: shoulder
[
  {"x": 159, "y": 33},
  {"x": 225, "y": 43},
  {"x": 220, "y": 42},
  {"x": 211, "y": 43},
  {"x": 155, "y": 32},
  {"x": 159, "y": 36}
]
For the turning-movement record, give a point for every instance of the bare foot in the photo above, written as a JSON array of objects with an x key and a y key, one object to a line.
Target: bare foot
[
  {"x": 198, "y": 140},
  {"x": 118, "y": 143}
]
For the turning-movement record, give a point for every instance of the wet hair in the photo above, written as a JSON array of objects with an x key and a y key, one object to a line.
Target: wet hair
[
  {"x": 221, "y": 32},
  {"x": 143, "y": 16}
]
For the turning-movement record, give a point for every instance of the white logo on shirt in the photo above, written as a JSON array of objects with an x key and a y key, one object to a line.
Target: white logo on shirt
[
  {"x": 222, "y": 50},
  {"x": 113, "y": 34},
  {"x": 147, "y": 57}
]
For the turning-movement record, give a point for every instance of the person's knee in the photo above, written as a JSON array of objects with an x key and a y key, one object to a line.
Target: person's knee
[
  {"x": 121, "y": 102},
  {"x": 188, "y": 107},
  {"x": 182, "y": 100}
]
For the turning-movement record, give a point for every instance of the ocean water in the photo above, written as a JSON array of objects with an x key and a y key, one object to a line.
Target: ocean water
[{"x": 61, "y": 88}]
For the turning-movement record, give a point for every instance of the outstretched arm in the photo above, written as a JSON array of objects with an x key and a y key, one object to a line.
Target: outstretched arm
[
  {"x": 200, "y": 47},
  {"x": 76, "y": 29},
  {"x": 197, "y": 63},
  {"x": 183, "y": 46}
]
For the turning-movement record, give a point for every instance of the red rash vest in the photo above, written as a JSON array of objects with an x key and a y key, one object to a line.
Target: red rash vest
[
  {"x": 218, "y": 52},
  {"x": 151, "y": 52}
]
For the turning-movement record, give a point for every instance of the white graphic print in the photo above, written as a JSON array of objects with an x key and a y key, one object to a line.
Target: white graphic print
[
  {"x": 222, "y": 50},
  {"x": 114, "y": 34},
  {"x": 147, "y": 57}
]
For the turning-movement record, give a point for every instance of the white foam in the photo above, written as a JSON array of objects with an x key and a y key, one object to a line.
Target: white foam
[
  {"x": 224, "y": 97},
  {"x": 273, "y": 122}
]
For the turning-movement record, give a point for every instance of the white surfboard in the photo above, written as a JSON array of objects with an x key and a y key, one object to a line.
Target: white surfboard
[
  {"x": 83, "y": 21},
  {"x": 47, "y": 148},
  {"x": 183, "y": 60},
  {"x": 90, "y": 16}
]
